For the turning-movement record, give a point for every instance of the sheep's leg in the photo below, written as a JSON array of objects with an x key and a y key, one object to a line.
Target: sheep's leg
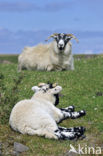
[
  {"x": 69, "y": 133},
  {"x": 60, "y": 133},
  {"x": 68, "y": 109},
  {"x": 64, "y": 114},
  {"x": 40, "y": 132},
  {"x": 72, "y": 129},
  {"x": 72, "y": 65},
  {"x": 73, "y": 115},
  {"x": 50, "y": 68},
  {"x": 28, "y": 130},
  {"x": 63, "y": 135},
  {"x": 19, "y": 68}
]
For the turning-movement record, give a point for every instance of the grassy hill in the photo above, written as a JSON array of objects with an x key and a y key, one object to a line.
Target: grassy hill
[{"x": 82, "y": 88}]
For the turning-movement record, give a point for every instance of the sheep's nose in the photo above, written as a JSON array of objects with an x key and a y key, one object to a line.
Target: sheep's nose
[{"x": 61, "y": 43}]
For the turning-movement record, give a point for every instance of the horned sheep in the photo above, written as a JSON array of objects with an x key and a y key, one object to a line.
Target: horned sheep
[
  {"x": 56, "y": 55},
  {"x": 39, "y": 115}
]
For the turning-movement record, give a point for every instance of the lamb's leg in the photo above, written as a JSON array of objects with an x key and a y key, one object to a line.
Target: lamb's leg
[
  {"x": 60, "y": 133},
  {"x": 40, "y": 132},
  {"x": 63, "y": 136},
  {"x": 28, "y": 130},
  {"x": 69, "y": 133},
  {"x": 62, "y": 115},
  {"x": 73, "y": 115},
  {"x": 72, "y": 129},
  {"x": 68, "y": 109}
]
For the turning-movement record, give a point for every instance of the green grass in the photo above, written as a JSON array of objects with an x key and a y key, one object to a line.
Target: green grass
[
  {"x": 11, "y": 58},
  {"x": 79, "y": 88}
]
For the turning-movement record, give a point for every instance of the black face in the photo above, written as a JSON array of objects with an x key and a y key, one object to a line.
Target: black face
[
  {"x": 50, "y": 86},
  {"x": 56, "y": 95},
  {"x": 62, "y": 39},
  {"x": 57, "y": 99}
]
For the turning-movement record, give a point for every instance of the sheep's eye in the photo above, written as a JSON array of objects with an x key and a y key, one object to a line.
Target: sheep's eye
[
  {"x": 40, "y": 86},
  {"x": 56, "y": 38},
  {"x": 68, "y": 38}
]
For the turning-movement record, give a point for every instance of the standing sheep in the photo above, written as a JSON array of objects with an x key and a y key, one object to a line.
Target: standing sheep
[
  {"x": 39, "y": 115},
  {"x": 56, "y": 55}
]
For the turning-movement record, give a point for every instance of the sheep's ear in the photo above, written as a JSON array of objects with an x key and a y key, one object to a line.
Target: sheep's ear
[
  {"x": 41, "y": 84},
  {"x": 56, "y": 90},
  {"x": 35, "y": 88},
  {"x": 55, "y": 84}
]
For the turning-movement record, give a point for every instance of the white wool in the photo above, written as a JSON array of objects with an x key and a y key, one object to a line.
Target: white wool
[
  {"x": 46, "y": 57},
  {"x": 38, "y": 115}
]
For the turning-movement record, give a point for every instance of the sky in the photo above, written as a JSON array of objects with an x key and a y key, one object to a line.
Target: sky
[{"x": 30, "y": 22}]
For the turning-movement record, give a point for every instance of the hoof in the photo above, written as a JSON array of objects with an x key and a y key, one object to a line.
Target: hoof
[
  {"x": 79, "y": 129},
  {"x": 71, "y": 108},
  {"x": 82, "y": 113}
]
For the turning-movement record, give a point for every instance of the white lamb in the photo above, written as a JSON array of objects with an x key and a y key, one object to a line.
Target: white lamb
[
  {"x": 39, "y": 116},
  {"x": 56, "y": 55}
]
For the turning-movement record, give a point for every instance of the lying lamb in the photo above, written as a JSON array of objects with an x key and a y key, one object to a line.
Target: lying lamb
[
  {"x": 39, "y": 115},
  {"x": 56, "y": 55}
]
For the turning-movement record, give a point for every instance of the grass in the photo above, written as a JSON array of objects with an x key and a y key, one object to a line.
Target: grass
[
  {"x": 11, "y": 58},
  {"x": 82, "y": 87}
]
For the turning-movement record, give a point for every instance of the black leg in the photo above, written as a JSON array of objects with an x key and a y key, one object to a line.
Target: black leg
[
  {"x": 72, "y": 129},
  {"x": 68, "y": 109},
  {"x": 73, "y": 115},
  {"x": 69, "y": 133},
  {"x": 65, "y": 135}
]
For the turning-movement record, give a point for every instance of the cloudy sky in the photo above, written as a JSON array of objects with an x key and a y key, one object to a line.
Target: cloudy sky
[{"x": 29, "y": 22}]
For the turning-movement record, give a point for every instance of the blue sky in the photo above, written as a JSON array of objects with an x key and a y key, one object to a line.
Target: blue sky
[{"x": 29, "y": 22}]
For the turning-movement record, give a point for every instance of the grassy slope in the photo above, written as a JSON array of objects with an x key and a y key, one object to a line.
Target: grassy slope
[{"x": 79, "y": 88}]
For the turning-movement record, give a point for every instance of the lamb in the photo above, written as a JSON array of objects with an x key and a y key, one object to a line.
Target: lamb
[
  {"x": 39, "y": 115},
  {"x": 54, "y": 56}
]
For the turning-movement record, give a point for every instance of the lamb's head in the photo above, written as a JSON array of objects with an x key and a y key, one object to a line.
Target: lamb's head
[
  {"x": 48, "y": 91},
  {"x": 62, "y": 39},
  {"x": 55, "y": 92}
]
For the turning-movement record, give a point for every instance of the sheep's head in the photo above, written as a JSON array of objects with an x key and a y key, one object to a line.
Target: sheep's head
[
  {"x": 48, "y": 89},
  {"x": 62, "y": 39}
]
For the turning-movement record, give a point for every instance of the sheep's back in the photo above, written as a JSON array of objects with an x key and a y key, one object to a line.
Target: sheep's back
[
  {"x": 35, "y": 57},
  {"x": 30, "y": 113}
]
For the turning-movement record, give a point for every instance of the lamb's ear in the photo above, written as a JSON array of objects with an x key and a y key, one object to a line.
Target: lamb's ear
[
  {"x": 56, "y": 90},
  {"x": 35, "y": 88},
  {"x": 41, "y": 84}
]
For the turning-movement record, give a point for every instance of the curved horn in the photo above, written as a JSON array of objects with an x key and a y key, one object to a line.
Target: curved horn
[
  {"x": 55, "y": 34},
  {"x": 72, "y": 36}
]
